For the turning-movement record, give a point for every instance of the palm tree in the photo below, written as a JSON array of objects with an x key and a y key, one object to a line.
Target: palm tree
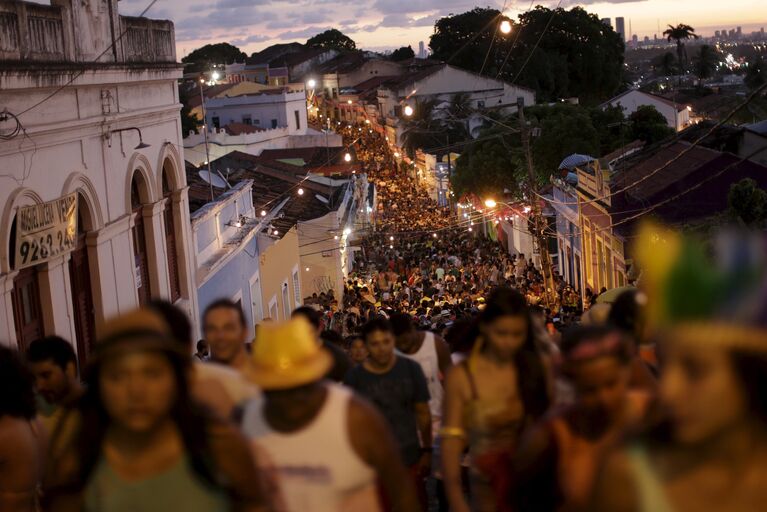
[
  {"x": 421, "y": 130},
  {"x": 680, "y": 34}
]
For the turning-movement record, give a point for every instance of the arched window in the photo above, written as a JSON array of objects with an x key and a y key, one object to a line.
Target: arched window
[
  {"x": 170, "y": 236},
  {"x": 80, "y": 282},
  {"x": 141, "y": 257},
  {"x": 27, "y": 310}
]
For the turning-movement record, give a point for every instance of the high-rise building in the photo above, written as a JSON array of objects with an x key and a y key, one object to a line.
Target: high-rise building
[
  {"x": 620, "y": 27},
  {"x": 646, "y": 39},
  {"x": 717, "y": 34},
  {"x": 421, "y": 50},
  {"x": 608, "y": 22},
  {"x": 635, "y": 40}
]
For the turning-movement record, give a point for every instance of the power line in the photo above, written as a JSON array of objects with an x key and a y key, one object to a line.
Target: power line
[
  {"x": 682, "y": 153},
  {"x": 82, "y": 70}
]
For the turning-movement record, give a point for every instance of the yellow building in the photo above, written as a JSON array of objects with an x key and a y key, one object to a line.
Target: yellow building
[{"x": 280, "y": 275}]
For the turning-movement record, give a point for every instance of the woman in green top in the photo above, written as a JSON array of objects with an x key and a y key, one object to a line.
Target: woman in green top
[{"x": 138, "y": 442}]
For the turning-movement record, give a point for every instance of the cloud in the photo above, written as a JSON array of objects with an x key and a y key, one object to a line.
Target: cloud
[
  {"x": 256, "y": 38},
  {"x": 304, "y": 33}
]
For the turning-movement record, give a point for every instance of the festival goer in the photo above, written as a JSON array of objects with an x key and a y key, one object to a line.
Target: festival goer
[
  {"x": 22, "y": 437},
  {"x": 218, "y": 387},
  {"x": 358, "y": 352},
  {"x": 226, "y": 331},
  {"x": 489, "y": 399},
  {"x": 54, "y": 365},
  {"x": 327, "y": 448},
  {"x": 202, "y": 353},
  {"x": 341, "y": 362},
  {"x": 708, "y": 307},
  {"x": 556, "y": 464},
  {"x": 140, "y": 442},
  {"x": 397, "y": 386}
]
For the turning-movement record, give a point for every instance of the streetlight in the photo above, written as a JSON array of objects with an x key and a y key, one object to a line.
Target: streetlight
[
  {"x": 300, "y": 191},
  {"x": 505, "y": 27},
  {"x": 215, "y": 76},
  {"x": 263, "y": 213},
  {"x": 408, "y": 110},
  {"x": 347, "y": 231},
  {"x": 490, "y": 203},
  {"x": 347, "y": 157},
  {"x": 312, "y": 83}
]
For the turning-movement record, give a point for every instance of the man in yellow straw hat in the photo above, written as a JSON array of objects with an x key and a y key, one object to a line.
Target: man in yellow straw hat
[{"x": 326, "y": 447}]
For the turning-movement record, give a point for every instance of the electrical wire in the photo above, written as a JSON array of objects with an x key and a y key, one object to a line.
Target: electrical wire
[
  {"x": 82, "y": 70},
  {"x": 692, "y": 146}
]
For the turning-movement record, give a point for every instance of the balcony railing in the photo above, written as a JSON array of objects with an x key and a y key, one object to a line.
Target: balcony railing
[{"x": 35, "y": 32}]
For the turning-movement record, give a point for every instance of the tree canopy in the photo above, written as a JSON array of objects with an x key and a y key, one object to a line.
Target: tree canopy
[
  {"x": 756, "y": 73},
  {"x": 748, "y": 203},
  {"x": 404, "y": 53},
  {"x": 202, "y": 59},
  {"x": 706, "y": 62},
  {"x": 649, "y": 125},
  {"x": 559, "y": 53},
  {"x": 332, "y": 39}
]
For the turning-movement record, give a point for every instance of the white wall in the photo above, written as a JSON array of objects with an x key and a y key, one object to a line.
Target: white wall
[
  {"x": 266, "y": 111},
  {"x": 631, "y": 101},
  {"x": 66, "y": 149}
]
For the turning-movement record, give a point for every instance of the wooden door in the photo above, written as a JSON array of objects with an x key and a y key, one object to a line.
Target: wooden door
[
  {"x": 170, "y": 245},
  {"x": 141, "y": 259},
  {"x": 27, "y": 312},
  {"x": 82, "y": 300}
]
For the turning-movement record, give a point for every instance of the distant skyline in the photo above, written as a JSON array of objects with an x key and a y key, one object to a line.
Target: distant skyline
[{"x": 386, "y": 24}]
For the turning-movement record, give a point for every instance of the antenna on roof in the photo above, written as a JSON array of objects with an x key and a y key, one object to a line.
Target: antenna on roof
[
  {"x": 212, "y": 179},
  {"x": 226, "y": 180}
]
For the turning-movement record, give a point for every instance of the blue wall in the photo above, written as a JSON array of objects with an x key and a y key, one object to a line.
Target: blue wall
[{"x": 232, "y": 278}]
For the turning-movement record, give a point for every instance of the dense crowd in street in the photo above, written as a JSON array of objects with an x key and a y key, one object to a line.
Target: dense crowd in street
[{"x": 445, "y": 376}]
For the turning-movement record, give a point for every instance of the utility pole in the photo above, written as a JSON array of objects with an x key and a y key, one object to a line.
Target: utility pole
[
  {"x": 538, "y": 223},
  {"x": 205, "y": 131}
]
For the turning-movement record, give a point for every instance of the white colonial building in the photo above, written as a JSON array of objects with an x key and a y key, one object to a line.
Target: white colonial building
[
  {"x": 677, "y": 114},
  {"x": 91, "y": 134}
]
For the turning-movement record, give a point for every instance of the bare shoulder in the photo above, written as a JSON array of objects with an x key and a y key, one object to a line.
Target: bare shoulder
[{"x": 616, "y": 488}]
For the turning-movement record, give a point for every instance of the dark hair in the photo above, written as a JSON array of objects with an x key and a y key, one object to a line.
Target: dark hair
[
  {"x": 16, "y": 381},
  {"x": 190, "y": 418},
  {"x": 458, "y": 336},
  {"x": 176, "y": 319},
  {"x": 351, "y": 339},
  {"x": 627, "y": 314},
  {"x": 750, "y": 368},
  {"x": 201, "y": 345},
  {"x": 52, "y": 348},
  {"x": 580, "y": 335},
  {"x": 312, "y": 315},
  {"x": 401, "y": 323},
  {"x": 333, "y": 337},
  {"x": 224, "y": 304},
  {"x": 531, "y": 376},
  {"x": 376, "y": 324}
]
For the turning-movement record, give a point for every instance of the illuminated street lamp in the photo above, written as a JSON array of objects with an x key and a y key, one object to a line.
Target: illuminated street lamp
[
  {"x": 408, "y": 110},
  {"x": 505, "y": 27},
  {"x": 490, "y": 203},
  {"x": 347, "y": 157},
  {"x": 300, "y": 191},
  {"x": 347, "y": 231},
  {"x": 312, "y": 83}
]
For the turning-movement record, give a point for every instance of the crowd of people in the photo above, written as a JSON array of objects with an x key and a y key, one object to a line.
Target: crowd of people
[{"x": 443, "y": 377}]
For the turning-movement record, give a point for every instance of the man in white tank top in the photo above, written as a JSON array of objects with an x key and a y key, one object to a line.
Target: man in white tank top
[{"x": 325, "y": 448}]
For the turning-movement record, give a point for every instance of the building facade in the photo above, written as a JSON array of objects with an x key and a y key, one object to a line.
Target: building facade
[
  {"x": 677, "y": 114},
  {"x": 98, "y": 132}
]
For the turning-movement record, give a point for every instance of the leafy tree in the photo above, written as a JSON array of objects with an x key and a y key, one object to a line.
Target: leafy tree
[
  {"x": 189, "y": 122},
  {"x": 203, "y": 59},
  {"x": 332, "y": 39},
  {"x": 464, "y": 40},
  {"x": 706, "y": 62},
  {"x": 404, "y": 53},
  {"x": 680, "y": 34},
  {"x": 665, "y": 64},
  {"x": 748, "y": 203},
  {"x": 649, "y": 125},
  {"x": 422, "y": 129},
  {"x": 756, "y": 73},
  {"x": 565, "y": 129},
  {"x": 558, "y": 53},
  {"x": 491, "y": 166},
  {"x": 612, "y": 128}
]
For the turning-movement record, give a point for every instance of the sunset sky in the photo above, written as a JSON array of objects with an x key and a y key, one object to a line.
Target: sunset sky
[{"x": 385, "y": 24}]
